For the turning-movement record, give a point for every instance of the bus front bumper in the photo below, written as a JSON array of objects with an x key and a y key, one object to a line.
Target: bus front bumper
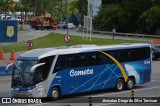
[{"x": 21, "y": 94}]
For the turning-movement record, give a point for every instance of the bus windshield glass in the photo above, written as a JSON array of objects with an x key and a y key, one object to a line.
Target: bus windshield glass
[{"x": 22, "y": 76}]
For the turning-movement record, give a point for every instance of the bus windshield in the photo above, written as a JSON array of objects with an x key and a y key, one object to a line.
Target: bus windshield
[{"x": 22, "y": 76}]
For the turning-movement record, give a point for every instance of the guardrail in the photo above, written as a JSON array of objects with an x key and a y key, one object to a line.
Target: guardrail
[
  {"x": 127, "y": 34},
  {"x": 4, "y": 72}
]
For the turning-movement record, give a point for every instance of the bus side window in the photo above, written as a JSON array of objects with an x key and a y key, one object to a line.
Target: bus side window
[
  {"x": 133, "y": 55},
  {"x": 80, "y": 60},
  {"x": 137, "y": 54},
  {"x": 123, "y": 56},
  {"x": 92, "y": 59},
  {"x": 43, "y": 71},
  {"x": 63, "y": 62},
  {"x": 99, "y": 59},
  {"x": 144, "y": 53},
  {"x": 108, "y": 60}
]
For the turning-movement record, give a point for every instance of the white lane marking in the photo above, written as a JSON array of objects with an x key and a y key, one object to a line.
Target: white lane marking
[
  {"x": 129, "y": 91},
  {"x": 38, "y": 104},
  {"x": 113, "y": 93}
]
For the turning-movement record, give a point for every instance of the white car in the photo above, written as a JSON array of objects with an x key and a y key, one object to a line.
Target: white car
[
  {"x": 7, "y": 17},
  {"x": 71, "y": 26}
]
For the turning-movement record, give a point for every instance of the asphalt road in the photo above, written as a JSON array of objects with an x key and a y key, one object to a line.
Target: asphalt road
[{"x": 151, "y": 89}]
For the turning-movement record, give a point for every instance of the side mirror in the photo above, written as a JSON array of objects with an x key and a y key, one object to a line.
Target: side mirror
[
  {"x": 35, "y": 66},
  {"x": 7, "y": 67}
]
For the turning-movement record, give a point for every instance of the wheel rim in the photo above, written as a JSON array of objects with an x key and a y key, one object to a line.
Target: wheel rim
[
  {"x": 130, "y": 84},
  {"x": 120, "y": 85},
  {"x": 55, "y": 94}
]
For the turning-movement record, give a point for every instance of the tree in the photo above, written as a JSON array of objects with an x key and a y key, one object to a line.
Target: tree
[
  {"x": 133, "y": 9},
  {"x": 109, "y": 17},
  {"x": 82, "y": 6},
  {"x": 149, "y": 21},
  {"x": 111, "y": 1},
  {"x": 6, "y": 6},
  {"x": 72, "y": 10}
]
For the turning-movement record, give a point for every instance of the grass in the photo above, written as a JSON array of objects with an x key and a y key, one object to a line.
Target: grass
[
  {"x": 21, "y": 30},
  {"x": 55, "y": 39}
]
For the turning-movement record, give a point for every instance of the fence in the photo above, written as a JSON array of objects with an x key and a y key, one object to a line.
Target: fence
[{"x": 127, "y": 34}]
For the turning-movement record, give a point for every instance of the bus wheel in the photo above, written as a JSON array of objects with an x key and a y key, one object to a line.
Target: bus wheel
[
  {"x": 55, "y": 94},
  {"x": 130, "y": 83},
  {"x": 119, "y": 85}
]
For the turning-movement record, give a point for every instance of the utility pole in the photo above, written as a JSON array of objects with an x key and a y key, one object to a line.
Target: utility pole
[
  {"x": 67, "y": 15},
  {"x": 5, "y": 9},
  {"x": 61, "y": 14}
]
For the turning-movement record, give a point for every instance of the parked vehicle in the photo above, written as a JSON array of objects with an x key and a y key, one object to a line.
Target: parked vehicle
[
  {"x": 8, "y": 17},
  {"x": 55, "y": 26},
  {"x": 62, "y": 25},
  {"x": 71, "y": 26},
  {"x": 41, "y": 22},
  {"x": 155, "y": 52}
]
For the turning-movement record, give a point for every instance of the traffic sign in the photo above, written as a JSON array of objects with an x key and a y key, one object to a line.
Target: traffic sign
[
  {"x": 29, "y": 44},
  {"x": 67, "y": 38}
]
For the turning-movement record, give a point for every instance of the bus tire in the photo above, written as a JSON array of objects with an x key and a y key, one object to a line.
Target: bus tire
[
  {"x": 130, "y": 83},
  {"x": 55, "y": 94},
  {"x": 119, "y": 85}
]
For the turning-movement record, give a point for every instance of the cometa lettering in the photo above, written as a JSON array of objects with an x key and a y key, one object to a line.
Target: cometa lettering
[{"x": 82, "y": 72}]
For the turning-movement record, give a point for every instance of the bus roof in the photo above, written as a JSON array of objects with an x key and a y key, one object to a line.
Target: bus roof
[{"x": 45, "y": 52}]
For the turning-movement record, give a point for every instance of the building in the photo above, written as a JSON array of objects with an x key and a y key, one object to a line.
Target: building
[{"x": 93, "y": 7}]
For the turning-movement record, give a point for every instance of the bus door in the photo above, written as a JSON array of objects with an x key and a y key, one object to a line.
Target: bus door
[{"x": 41, "y": 75}]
